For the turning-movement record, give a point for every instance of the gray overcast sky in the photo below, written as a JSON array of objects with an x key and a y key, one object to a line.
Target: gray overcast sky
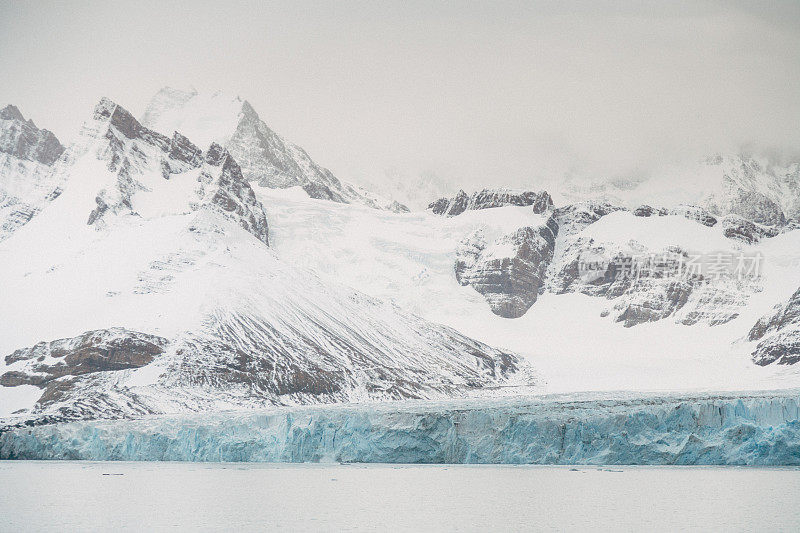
[{"x": 477, "y": 92}]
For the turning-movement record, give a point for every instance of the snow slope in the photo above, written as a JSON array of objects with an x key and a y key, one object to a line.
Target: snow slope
[
  {"x": 408, "y": 259},
  {"x": 152, "y": 272}
]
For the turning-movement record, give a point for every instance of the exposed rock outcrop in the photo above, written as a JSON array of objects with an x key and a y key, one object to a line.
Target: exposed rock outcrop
[
  {"x": 93, "y": 351},
  {"x": 540, "y": 201},
  {"x": 738, "y": 228},
  {"x": 22, "y": 139},
  {"x": 757, "y": 207},
  {"x": 758, "y": 189},
  {"x": 264, "y": 156},
  {"x": 779, "y": 334},
  {"x": 648, "y": 285},
  {"x": 232, "y": 194},
  {"x": 575, "y": 217},
  {"x": 509, "y": 272},
  {"x": 450, "y": 206},
  {"x": 240, "y": 360},
  {"x": 135, "y": 153},
  {"x": 27, "y": 155},
  {"x": 696, "y": 213}
]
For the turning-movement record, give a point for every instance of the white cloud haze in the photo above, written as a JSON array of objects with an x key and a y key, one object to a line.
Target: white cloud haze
[{"x": 474, "y": 92}]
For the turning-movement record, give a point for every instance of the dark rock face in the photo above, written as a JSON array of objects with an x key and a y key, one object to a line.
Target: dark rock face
[
  {"x": 243, "y": 360},
  {"x": 540, "y": 202},
  {"x": 745, "y": 223},
  {"x": 11, "y": 112},
  {"x": 397, "y": 207},
  {"x": 322, "y": 192},
  {"x": 235, "y": 197},
  {"x": 486, "y": 199},
  {"x": 510, "y": 272},
  {"x": 716, "y": 303},
  {"x": 640, "y": 296},
  {"x": 696, "y": 213},
  {"x": 758, "y": 208},
  {"x": 22, "y": 139},
  {"x": 644, "y": 211},
  {"x": 181, "y": 149},
  {"x": 450, "y": 206},
  {"x": 264, "y": 156},
  {"x": 269, "y": 159},
  {"x": 779, "y": 334},
  {"x": 132, "y": 147},
  {"x": 736, "y": 227},
  {"x": 646, "y": 285},
  {"x": 574, "y": 217},
  {"x": 94, "y": 351},
  {"x": 649, "y": 211},
  {"x": 28, "y": 181},
  {"x": 652, "y": 299}
]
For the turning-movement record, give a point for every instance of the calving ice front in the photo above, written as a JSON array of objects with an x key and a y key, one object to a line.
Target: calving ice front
[
  {"x": 754, "y": 428},
  {"x": 192, "y": 267}
]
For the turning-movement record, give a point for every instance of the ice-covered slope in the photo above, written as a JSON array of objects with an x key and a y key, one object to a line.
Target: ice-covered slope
[
  {"x": 27, "y": 155},
  {"x": 575, "y": 332},
  {"x": 147, "y": 286},
  {"x": 265, "y": 156}
]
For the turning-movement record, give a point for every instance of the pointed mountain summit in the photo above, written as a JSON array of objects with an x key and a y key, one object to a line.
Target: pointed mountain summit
[
  {"x": 27, "y": 156},
  {"x": 147, "y": 286},
  {"x": 264, "y": 156},
  {"x": 22, "y": 139}
]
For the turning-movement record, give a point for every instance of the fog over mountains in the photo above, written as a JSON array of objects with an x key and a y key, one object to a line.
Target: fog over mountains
[{"x": 517, "y": 95}]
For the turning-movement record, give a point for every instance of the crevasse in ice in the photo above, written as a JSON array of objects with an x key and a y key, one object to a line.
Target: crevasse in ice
[{"x": 744, "y": 428}]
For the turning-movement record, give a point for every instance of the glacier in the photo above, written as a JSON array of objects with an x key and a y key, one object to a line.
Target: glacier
[{"x": 745, "y": 428}]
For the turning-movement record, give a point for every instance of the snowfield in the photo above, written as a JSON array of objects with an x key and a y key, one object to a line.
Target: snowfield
[
  {"x": 408, "y": 258},
  {"x": 147, "y": 287}
]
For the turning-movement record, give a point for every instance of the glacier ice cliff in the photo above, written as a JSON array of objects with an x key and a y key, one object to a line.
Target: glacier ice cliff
[{"x": 752, "y": 428}]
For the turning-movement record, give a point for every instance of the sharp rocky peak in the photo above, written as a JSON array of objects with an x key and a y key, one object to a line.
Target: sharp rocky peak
[
  {"x": 248, "y": 110},
  {"x": 23, "y": 140},
  {"x": 264, "y": 155},
  {"x": 539, "y": 201},
  {"x": 136, "y": 154},
  {"x": 11, "y": 112}
]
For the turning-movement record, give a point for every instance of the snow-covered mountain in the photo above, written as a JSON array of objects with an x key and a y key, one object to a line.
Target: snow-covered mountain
[
  {"x": 147, "y": 286},
  {"x": 27, "y": 154},
  {"x": 209, "y": 269},
  {"x": 759, "y": 188},
  {"x": 264, "y": 156},
  {"x": 778, "y": 334},
  {"x": 595, "y": 295}
]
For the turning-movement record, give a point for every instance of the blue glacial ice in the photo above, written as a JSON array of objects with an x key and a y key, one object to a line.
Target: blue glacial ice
[{"x": 752, "y": 428}]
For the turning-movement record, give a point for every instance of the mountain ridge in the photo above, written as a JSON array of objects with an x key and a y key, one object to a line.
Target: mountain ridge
[
  {"x": 163, "y": 248},
  {"x": 265, "y": 156}
]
